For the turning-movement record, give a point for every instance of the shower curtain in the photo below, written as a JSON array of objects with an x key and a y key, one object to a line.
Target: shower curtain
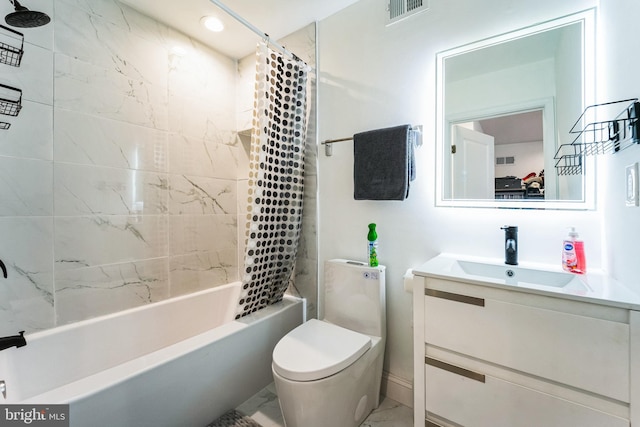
[{"x": 276, "y": 179}]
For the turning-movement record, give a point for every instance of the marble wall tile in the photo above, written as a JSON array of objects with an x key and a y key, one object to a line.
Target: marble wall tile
[
  {"x": 201, "y": 118},
  {"x": 194, "y": 195},
  {"x": 25, "y": 187},
  {"x": 33, "y": 76},
  {"x": 202, "y": 270},
  {"x": 92, "y": 38},
  {"x": 203, "y": 157},
  {"x": 94, "y": 90},
  {"x": 89, "y": 292},
  {"x": 202, "y": 73},
  {"x": 26, "y": 295},
  {"x": 91, "y": 241},
  {"x": 201, "y": 233},
  {"x": 93, "y": 140},
  {"x": 84, "y": 190},
  {"x": 30, "y": 132}
]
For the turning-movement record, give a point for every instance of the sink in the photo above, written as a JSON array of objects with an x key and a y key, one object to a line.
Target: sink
[
  {"x": 517, "y": 274},
  {"x": 514, "y": 275}
]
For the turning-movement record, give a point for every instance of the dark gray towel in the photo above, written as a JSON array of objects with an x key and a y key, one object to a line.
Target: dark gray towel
[{"x": 383, "y": 163}]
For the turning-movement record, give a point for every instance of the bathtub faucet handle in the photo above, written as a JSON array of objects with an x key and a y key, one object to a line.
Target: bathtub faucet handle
[{"x": 13, "y": 341}]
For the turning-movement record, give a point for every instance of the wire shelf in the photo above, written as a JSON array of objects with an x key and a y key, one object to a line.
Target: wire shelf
[
  {"x": 10, "y": 100},
  {"x": 4, "y": 125},
  {"x": 594, "y": 136},
  {"x": 11, "y": 46}
]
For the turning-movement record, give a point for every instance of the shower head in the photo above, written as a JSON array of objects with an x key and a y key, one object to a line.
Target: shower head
[{"x": 25, "y": 18}]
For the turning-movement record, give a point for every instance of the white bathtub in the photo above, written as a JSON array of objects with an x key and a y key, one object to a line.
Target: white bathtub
[{"x": 180, "y": 362}]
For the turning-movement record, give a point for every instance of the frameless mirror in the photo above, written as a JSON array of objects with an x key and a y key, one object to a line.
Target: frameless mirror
[{"x": 505, "y": 105}]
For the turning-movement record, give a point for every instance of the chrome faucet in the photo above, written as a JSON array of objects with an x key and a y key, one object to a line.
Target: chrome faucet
[
  {"x": 510, "y": 244},
  {"x": 13, "y": 341}
]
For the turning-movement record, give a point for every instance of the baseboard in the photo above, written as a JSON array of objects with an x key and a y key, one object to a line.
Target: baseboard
[{"x": 397, "y": 389}]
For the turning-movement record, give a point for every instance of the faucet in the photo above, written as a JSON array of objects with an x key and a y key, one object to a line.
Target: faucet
[
  {"x": 510, "y": 244},
  {"x": 13, "y": 341}
]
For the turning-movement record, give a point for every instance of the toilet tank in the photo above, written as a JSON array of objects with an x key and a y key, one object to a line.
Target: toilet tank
[{"x": 354, "y": 296}]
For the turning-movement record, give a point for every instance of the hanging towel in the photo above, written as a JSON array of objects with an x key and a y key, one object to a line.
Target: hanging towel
[{"x": 383, "y": 163}]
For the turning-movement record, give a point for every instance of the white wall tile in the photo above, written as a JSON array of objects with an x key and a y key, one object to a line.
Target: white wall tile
[
  {"x": 93, "y": 140},
  {"x": 25, "y": 187},
  {"x": 26, "y": 295},
  {"x": 89, "y": 292},
  {"x": 203, "y": 157},
  {"x": 84, "y": 190},
  {"x": 30, "y": 132},
  {"x": 89, "y": 241},
  {"x": 200, "y": 195},
  {"x": 84, "y": 87}
]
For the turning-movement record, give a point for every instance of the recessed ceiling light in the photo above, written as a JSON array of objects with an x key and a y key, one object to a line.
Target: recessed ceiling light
[{"x": 212, "y": 23}]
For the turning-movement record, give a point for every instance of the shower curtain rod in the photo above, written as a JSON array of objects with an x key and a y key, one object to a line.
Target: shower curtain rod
[{"x": 256, "y": 30}]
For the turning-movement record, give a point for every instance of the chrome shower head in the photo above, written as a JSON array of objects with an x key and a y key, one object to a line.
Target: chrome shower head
[{"x": 25, "y": 18}]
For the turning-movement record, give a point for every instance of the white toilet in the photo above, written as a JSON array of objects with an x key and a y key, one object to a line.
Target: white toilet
[{"x": 327, "y": 372}]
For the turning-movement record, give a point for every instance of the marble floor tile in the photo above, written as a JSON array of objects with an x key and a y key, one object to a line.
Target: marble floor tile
[{"x": 264, "y": 408}]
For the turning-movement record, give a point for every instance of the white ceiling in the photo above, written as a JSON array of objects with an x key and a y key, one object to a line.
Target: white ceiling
[{"x": 277, "y": 18}]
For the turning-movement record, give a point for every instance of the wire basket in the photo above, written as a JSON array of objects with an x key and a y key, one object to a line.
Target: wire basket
[
  {"x": 10, "y": 100},
  {"x": 11, "y": 46},
  {"x": 569, "y": 159},
  {"x": 4, "y": 125},
  {"x": 602, "y": 128}
]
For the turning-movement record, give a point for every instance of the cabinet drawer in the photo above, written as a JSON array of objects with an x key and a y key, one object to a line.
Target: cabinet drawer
[
  {"x": 481, "y": 400},
  {"x": 584, "y": 352}
]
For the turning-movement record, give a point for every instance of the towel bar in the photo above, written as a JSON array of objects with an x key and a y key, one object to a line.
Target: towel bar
[{"x": 328, "y": 149}]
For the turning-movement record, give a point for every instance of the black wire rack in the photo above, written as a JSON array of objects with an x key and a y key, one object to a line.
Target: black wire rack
[
  {"x": 619, "y": 130},
  {"x": 10, "y": 100},
  {"x": 11, "y": 46}
]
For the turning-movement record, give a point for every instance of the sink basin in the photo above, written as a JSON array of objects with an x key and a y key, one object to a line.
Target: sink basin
[
  {"x": 514, "y": 273},
  {"x": 519, "y": 276}
]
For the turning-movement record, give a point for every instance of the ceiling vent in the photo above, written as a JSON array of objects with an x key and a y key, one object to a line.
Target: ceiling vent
[{"x": 400, "y": 9}]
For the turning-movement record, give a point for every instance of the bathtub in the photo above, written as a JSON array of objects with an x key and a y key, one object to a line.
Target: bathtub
[{"x": 180, "y": 362}]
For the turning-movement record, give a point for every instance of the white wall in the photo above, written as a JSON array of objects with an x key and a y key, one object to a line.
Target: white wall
[
  {"x": 618, "y": 79},
  {"x": 372, "y": 76}
]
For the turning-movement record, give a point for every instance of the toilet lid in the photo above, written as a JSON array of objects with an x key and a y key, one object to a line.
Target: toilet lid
[{"x": 317, "y": 349}]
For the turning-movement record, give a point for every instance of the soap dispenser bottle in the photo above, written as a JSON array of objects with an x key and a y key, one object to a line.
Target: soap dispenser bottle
[
  {"x": 372, "y": 237},
  {"x": 573, "y": 258}
]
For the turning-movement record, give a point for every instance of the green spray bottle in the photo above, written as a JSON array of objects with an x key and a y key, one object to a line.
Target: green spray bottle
[{"x": 372, "y": 237}]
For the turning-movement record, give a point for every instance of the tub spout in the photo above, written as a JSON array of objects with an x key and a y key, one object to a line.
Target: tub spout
[{"x": 13, "y": 341}]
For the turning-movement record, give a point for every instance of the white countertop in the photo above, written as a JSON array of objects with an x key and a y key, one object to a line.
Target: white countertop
[{"x": 593, "y": 287}]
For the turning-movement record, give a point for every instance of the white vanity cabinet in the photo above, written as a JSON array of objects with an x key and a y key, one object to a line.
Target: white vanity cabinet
[{"x": 488, "y": 356}]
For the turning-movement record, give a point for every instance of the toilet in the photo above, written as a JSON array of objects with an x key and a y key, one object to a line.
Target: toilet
[{"x": 327, "y": 371}]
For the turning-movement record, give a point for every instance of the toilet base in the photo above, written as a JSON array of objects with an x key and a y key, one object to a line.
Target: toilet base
[{"x": 344, "y": 399}]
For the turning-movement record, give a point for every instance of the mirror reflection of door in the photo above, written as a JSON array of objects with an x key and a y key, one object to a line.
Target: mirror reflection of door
[{"x": 472, "y": 164}]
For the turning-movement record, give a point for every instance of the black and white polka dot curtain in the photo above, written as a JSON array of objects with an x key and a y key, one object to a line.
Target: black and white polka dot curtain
[{"x": 276, "y": 179}]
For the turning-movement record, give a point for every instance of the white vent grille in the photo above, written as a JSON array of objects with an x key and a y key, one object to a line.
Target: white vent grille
[{"x": 400, "y": 9}]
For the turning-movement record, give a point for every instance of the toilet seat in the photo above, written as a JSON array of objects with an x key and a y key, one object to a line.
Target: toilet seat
[{"x": 316, "y": 350}]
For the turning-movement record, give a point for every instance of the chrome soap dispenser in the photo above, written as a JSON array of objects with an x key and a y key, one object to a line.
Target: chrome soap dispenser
[{"x": 510, "y": 244}]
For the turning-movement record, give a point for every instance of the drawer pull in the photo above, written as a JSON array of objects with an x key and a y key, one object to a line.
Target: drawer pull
[
  {"x": 455, "y": 297},
  {"x": 454, "y": 369}
]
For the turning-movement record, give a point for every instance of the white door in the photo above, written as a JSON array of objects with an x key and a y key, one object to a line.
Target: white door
[{"x": 472, "y": 168}]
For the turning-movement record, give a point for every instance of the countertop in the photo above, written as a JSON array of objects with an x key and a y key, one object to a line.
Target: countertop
[{"x": 595, "y": 286}]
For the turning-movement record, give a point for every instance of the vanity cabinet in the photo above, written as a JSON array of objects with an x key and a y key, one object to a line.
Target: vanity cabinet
[{"x": 486, "y": 356}]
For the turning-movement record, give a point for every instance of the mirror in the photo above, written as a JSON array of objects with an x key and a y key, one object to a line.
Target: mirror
[{"x": 505, "y": 105}]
